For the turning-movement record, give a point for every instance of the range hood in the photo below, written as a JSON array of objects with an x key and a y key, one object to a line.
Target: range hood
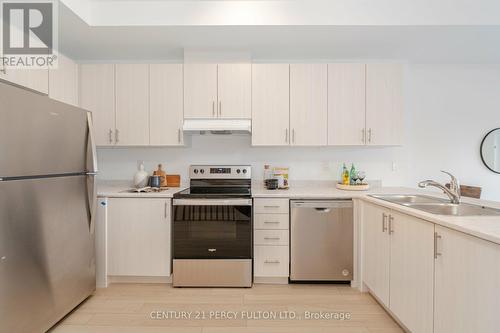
[{"x": 218, "y": 126}]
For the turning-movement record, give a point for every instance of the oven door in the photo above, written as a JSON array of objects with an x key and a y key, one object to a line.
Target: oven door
[{"x": 212, "y": 229}]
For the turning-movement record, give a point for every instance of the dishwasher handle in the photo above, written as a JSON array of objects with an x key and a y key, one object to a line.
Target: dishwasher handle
[{"x": 321, "y": 205}]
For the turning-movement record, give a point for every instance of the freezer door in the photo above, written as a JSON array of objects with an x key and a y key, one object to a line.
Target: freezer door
[
  {"x": 321, "y": 241},
  {"x": 47, "y": 264},
  {"x": 40, "y": 136}
]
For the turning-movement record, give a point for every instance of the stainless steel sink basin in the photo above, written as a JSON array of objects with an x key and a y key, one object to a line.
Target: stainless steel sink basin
[
  {"x": 450, "y": 209},
  {"x": 437, "y": 205},
  {"x": 408, "y": 198}
]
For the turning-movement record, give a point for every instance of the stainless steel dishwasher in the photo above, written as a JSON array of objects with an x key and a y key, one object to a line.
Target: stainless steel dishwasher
[{"x": 321, "y": 240}]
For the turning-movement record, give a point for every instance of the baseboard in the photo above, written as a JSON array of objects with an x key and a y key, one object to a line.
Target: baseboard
[
  {"x": 270, "y": 280},
  {"x": 140, "y": 279}
]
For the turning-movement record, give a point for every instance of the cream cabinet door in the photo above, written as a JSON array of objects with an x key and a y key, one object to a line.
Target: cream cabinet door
[
  {"x": 308, "y": 104},
  {"x": 200, "y": 90},
  {"x": 97, "y": 94},
  {"x": 132, "y": 104},
  {"x": 412, "y": 271},
  {"x": 234, "y": 91},
  {"x": 384, "y": 104},
  {"x": 34, "y": 79},
  {"x": 346, "y": 104},
  {"x": 139, "y": 237},
  {"x": 467, "y": 284},
  {"x": 166, "y": 104},
  {"x": 377, "y": 251},
  {"x": 63, "y": 81},
  {"x": 270, "y": 104}
]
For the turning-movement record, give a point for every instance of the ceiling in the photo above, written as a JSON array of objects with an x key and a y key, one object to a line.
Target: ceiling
[{"x": 407, "y": 43}]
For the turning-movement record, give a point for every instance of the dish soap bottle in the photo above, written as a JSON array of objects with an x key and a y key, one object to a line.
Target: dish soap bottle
[
  {"x": 141, "y": 176},
  {"x": 352, "y": 175},
  {"x": 345, "y": 175}
]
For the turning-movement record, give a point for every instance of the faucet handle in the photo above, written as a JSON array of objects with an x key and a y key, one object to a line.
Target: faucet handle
[{"x": 454, "y": 184}]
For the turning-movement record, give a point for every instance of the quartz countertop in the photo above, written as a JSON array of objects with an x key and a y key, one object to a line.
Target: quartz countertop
[{"x": 484, "y": 227}]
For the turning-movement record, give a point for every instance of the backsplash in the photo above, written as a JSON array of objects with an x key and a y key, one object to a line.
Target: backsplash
[{"x": 311, "y": 163}]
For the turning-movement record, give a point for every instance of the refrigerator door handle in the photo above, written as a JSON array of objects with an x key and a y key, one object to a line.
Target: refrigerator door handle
[{"x": 91, "y": 174}]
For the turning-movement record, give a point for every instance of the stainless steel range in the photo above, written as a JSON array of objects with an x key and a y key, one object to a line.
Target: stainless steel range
[{"x": 212, "y": 228}]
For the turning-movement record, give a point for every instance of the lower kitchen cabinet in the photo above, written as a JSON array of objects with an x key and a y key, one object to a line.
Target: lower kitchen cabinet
[
  {"x": 138, "y": 241},
  {"x": 399, "y": 264},
  {"x": 271, "y": 261},
  {"x": 467, "y": 283}
]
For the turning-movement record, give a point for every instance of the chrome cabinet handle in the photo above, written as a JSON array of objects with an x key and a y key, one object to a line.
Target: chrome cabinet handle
[
  {"x": 391, "y": 220},
  {"x": 384, "y": 220},
  {"x": 166, "y": 209},
  {"x": 213, "y": 108},
  {"x": 271, "y": 238},
  {"x": 271, "y": 222},
  {"x": 117, "y": 135},
  {"x": 220, "y": 108},
  {"x": 363, "y": 135},
  {"x": 271, "y": 261},
  {"x": 436, "y": 237},
  {"x": 179, "y": 135},
  {"x": 286, "y": 135},
  {"x": 271, "y": 206},
  {"x": 370, "y": 135},
  {"x": 110, "y": 135},
  {"x": 293, "y": 135}
]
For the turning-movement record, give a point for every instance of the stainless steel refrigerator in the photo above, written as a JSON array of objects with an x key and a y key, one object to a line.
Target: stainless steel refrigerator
[{"x": 47, "y": 209}]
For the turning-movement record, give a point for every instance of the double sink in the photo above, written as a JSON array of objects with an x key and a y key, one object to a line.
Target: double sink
[{"x": 437, "y": 205}]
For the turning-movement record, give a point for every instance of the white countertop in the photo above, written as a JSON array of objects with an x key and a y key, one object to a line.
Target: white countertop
[
  {"x": 118, "y": 189},
  {"x": 485, "y": 227}
]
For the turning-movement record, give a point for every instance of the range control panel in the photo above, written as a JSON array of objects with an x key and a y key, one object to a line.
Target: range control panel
[{"x": 220, "y": 172}]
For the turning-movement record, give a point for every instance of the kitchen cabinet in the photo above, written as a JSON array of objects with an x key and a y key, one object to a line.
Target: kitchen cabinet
[
  {"x": 384, "y": 104},
  {"x": 467, "y": 283},
  {"x": 200, "y": 90},
  {"x": 271, "y": 238},
  {"x": 412, "y": 271},
  {"x": 234, "y": 92},
  {"x": 132, "y": 104},
  {"x": 139, "y": 237},
  {"x": 377, "y": 251},
  {"x": 34, "y": 79},
  {"x": 270, "y": 104},
  {"x": 308, "y": 104},
  {"x": 399, "y": 264},
  {"x": 166, "y": 104},
  {"x": 63, "y": 81},
  {"x": 346, "y": 104},
  {"x": 97, "y": 94},
  {"x": 217, "y": 91}
]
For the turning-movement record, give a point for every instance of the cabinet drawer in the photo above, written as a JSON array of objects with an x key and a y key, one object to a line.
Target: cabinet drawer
[
  {"x": 271, "y": 237},
  {"x": 271, "y": 261},
  {"x": 271, "y": 206},
  {"x": 271, "y": 221}
]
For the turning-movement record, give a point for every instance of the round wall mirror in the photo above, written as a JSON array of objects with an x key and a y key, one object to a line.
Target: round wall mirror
[{"x": 490, "y": 150}]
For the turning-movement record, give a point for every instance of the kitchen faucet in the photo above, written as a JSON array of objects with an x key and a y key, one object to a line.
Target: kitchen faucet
[{"x": 453, "y": 192}]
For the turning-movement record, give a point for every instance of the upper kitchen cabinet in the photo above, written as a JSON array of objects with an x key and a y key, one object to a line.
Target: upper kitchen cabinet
[
  {"x": 346, "y": 104},
  {"x": 166, "y": 104},
  {"x": 200, "y": 90},
  {"x": 34, "y": 79},
  {"x": 308, "y": 104},
  {"x": 97, "y": 94},
  {"x": 234, "y": 91},
  {"x": 63, "y": 81},
  {"x": 217, "y": 91},
  {"x": 384, "y": 104},
  {"x": 132, "y": 104},
  {"x": 270, "y": 104}
]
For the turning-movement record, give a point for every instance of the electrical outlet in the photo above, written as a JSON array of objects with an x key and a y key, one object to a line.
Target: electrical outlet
[{"x": 394, "y": 167}]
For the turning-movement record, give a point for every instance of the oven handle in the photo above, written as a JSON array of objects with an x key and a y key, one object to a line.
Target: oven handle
[{"x": 212, "y": 202}]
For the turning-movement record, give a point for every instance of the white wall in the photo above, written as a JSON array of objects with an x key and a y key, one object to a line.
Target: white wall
[{"x": 449, "y": 108}]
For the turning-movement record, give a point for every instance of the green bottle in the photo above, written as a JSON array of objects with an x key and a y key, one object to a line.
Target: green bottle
[{"x": 352, "y": 175}]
